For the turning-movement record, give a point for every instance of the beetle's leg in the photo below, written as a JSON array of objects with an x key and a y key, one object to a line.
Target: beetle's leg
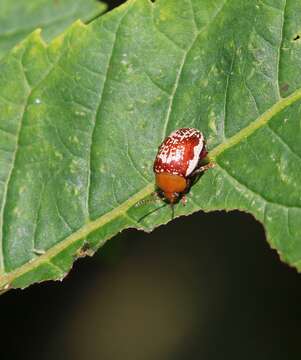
[
  {"x": 203, "y": 168},
  {"x": 156, "y": 196},
  {"x": 173, "y": 199},
  {"x": 184, "y": 200}
]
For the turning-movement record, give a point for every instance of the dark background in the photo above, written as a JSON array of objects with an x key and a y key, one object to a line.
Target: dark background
[{"x": 205, "y": 286}]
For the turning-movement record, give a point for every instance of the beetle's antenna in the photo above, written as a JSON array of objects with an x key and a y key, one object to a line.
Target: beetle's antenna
[
  {"x": 172, "y": 205},
  {"x": 151, "y": 212},
  {"x": 142, "y": 202}
]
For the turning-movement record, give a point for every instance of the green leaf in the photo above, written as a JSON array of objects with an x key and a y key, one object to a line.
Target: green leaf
[
  {"x": 82, "y": 118},
  {"x": 18, "y": 18}
]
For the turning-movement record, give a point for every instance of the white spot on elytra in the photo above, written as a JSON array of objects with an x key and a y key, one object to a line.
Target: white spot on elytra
[
  {"x": 196, "y": 155},
  {"x": 172, "y": 152},
  {"x": 37, "y": 101}
]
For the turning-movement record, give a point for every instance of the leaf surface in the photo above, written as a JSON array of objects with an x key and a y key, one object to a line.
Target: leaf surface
[
  {"x": 19, "y": 18},
  {"x": 82, "y": 118}
]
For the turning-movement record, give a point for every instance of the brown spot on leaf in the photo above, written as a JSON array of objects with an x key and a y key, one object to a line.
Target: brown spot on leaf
[{"x": 284, "y": 87}]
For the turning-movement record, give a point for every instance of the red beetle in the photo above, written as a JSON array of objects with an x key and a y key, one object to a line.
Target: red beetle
[{"x": 178, "y": 161}]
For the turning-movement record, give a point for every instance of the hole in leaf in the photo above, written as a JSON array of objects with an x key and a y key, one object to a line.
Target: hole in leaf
[{"x": 113, "y": 3}]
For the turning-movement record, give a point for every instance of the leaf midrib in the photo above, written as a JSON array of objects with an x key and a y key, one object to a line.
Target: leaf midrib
[
  {"x": 256, "y": 124},
  {"x": 121, "y": 210}
]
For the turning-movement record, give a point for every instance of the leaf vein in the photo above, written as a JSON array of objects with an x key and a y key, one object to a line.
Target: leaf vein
[
  {"x": 223, "y": 124},
  {"x": 180, "y": 70},
  {"x": 6, "y": 186},
  {"x": 97, "y": 112},
  {"x": 280, "y": 46},
  {"x": 232, "y": 178},
  {"x": 255, "y": 125},
  {"x": 283, "y": 142}
]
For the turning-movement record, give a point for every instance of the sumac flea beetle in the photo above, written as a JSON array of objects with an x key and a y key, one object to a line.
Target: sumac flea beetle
[{"x": 178, "y": 161}]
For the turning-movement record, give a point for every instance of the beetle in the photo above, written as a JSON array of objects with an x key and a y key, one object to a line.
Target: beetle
[{"x": 178, "y": 161}]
